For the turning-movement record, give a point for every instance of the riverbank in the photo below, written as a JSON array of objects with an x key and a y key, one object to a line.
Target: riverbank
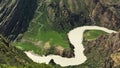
[{"x": 76, "y": 38}]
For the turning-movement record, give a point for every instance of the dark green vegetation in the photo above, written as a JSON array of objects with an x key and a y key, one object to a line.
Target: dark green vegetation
[
  {"x": 90, "y": 35},
  {"x": 49, "y": 22},
  {"x": 15, "y": 16},
  {"x": 52, "y": 19},
  {"x": 10, "y": 55},
  {"x": 34, "y": 65},
  {"x": 28, "y": 47},
  {"x": 41, "y": 29}
]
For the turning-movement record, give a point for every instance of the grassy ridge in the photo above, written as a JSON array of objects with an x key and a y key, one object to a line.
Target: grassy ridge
[{"x": 92, "y": 34}]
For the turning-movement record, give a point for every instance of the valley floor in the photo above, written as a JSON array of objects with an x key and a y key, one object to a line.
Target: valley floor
[{"x": 76, "y": 38}]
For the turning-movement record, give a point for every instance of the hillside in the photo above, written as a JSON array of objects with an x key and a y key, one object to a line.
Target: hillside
[
  {"x": 42, "y": 26},
  {"x": 47, "y": 22},
  {"x": 15, "y": 16},
  {"x": 104, "y": 52},
  {"x": 12, "y": 56}
]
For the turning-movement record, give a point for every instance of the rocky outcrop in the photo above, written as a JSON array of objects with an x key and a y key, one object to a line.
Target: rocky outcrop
[
  {"x": 69, "y": 14},
  {"x": 72, "y": 13},
  {"x": 106, "y": 13},
  {"x": 59, "y": 50},
  {"x": 66, "y": 15},
  {"x": 104, "y": 52},
  {"x": 15, "y": 16}
]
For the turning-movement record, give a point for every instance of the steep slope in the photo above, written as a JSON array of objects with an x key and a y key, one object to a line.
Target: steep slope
[
  {"x": 10, "y": 55},
  {"x": 68, "y": 14},
  {"x": 105, "y": 13},
  {"x": 15, "y": 16},
  {"x": 104, "y": 52},
  {"x": 65, "y": 15},
  {"x": 60, "y": 15},
  {"x": 54, "y": 18}
]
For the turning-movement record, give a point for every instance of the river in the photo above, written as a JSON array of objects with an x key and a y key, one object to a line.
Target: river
[{"x": 76, "y": 37}]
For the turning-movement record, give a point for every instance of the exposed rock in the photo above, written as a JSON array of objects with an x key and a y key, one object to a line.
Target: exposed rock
[
  {"x": 106, "y": 13},
  {"x": 68, "y": 53},
  {"x": 15, "y": 16},
  {"x": 67, "y": 15},
  {"x": 64, "y": 15},
  {"x": 59, "y": 50},
  {"x": 116, "y": 58},
  {"x": 104, "y": 52},
  {"x": 47, "y": 46}
]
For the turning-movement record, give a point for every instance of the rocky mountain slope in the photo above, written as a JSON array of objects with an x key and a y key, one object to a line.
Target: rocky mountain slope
[
  {"x": 15, "y": 16},
  {"x": 104, "y": 52},
  {"x": 65, "y": 15},
  {"x": 106, "y": 13},
  {"x": 57, "y": 17},
  {"x": 61, "y": 16}
]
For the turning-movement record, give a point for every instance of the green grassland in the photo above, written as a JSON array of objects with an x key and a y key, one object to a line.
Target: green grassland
[
  {"x": 28, "y": 47},
  {"x": 92, "y": 34},
  {"x": 53, "y": 37},
  {"x": 41, "y": 29}
]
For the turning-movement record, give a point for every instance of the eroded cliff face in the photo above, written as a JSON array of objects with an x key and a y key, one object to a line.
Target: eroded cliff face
[
  {"x": 59, "y": 50},
  {"x": 66, "y": 15},
  {"x": 106, "y": 13},
  {"x": 104, "y": 52},
  {"x": 69, "y": 14},
  {"x": 72, "y": 13},
  {"x": 15, "y": 16}
]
